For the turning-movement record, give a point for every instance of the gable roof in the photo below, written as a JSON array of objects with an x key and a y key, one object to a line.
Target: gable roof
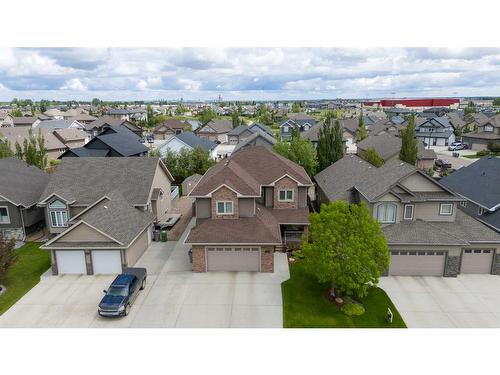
[
  {"x": 479, "y": 182},
  {"x": 26, "y": 120},
  {"x": 353, "y": 172},
  {"x": 70, "y": 134},
  {"x": 253, "y": 138},
  {"x": 300, "y": 116},
  {"x": 219, "y": 126},
  {"x": 56, "y": 124},
  {"x": 123, "y": 141},
  {"x": 103, "y": 120},
  {"x": 239, "y": 130},
  {"x": 20, "y": 183},
  {"x": 243, "y": 172},
  {"x": 193, "y": 141},
  {"x": 262, "y": 128},
  {"x": 388, "y": 146},
  {"x": 493, "y": 121},
  {"x": 84, "y": 152},
  {"x": 13, "y": 135},
  {"x": 84, "y": 180}
]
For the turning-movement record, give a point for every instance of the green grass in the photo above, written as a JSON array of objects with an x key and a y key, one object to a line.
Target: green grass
[
  {"x": 474, "y": 156},
  {"x": 305, "y": 306},
  {"x": 25, "y": 274}
]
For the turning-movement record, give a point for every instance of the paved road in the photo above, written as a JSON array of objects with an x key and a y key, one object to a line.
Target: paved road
[
  {"x": 173, "y": 297},
  {"x": 468, "y": 301}
]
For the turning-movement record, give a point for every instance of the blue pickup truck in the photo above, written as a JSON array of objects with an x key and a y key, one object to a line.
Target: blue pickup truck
[{"x": 122, "y": 292}]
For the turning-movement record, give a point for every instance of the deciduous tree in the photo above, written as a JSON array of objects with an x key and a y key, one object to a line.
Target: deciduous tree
[
  {"x": 330, "y": 147},
  {"x": 373, "y": 157},
  {"x": 346, "y": 248},
  {"x": 408, "y": 152},
  {"x": 299, "y": 150}
]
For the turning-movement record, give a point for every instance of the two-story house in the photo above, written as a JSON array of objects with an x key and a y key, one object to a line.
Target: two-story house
[
  {"x": 479, "y": 185},
  {"x": 487, "y": 132},
  {"x": 435, "y": 131},
  {"x": 20, "y": 188},
  {"x": 301, "y": 121},
  {"x": 244, "y": 211},
  {"x": 215, "y": 130},
  {"x": 426, "y": 233},
  {"x": 100, "y": 212}
]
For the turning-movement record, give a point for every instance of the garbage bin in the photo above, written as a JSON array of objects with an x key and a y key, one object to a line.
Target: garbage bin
[
  {"x": 190, "y": 254},
  {"x": 163, "y": 235},
  {"x": 456, "y": 154},
  {"x": 156, "y": 235}
]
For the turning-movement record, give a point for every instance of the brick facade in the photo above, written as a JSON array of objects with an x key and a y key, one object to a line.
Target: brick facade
[
  {"x": 199, "y": 263},
  {"x": 224, "y": 194},
  {"x": 267, "y": 259},
  {"x": 289, "y": 184}
]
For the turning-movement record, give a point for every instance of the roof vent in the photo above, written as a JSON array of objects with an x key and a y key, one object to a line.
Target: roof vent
[{"x": 105, "y": 207}]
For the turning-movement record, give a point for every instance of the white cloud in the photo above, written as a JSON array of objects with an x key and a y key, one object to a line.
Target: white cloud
[{"x": 74, "y": 84}]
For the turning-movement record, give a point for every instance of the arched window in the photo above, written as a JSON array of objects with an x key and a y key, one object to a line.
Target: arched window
[{"x": 386, "y": 213}]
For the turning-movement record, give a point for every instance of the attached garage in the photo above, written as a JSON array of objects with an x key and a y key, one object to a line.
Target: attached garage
[
  {"x": 417, "y": 263},
  {"x": 106, "y": 261},
  {"x": 477, "y": 261},
  {"x": 71, "y": 262},
  {"x": 233, "y": 259}
]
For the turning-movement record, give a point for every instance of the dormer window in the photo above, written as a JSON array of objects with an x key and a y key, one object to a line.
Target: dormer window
[
  {"x": 446, "y": 209},
  {"x": 58, "y": 214},
  {"x": 286, "y": 128},
  {"x": 224, "y": 207},
  {"x": 488, "y": 128},
  {"x": 386, "y": 213},
  {"x": 285, "y": 196}
]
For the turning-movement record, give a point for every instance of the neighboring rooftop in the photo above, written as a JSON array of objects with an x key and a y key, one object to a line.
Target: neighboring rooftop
[
  {"x": 193, "y": 141},
  {"x": 20, "y": 183}
]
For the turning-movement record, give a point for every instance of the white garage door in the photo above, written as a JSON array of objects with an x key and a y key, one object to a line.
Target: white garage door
[
  {"x": 71, "y": 262},
  {"x": 477, "y": 261},
  {"x": 233, "y": 259},
  {"x": 417, "y": 263},
  {"x": 106, "y": 261}
]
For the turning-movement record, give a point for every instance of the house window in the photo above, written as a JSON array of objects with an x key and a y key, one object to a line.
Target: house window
[
  {"x": 4, "y": 215},
  {"x": 408, "y": 214},
  {"x": 463, "y": 204},
  {"x": 57, "y": 204},
  {"x": 480, "y": 211},
  {"x": 285, "y": 196},
  {"x": 224, "y": 208},
  {"x": 488, "y": 128},
  {"x": 446, "y": 209},
  {"x": 59, "y": 218},
  {"x": 386, "y": 213},
  {"x": 285, "y": 129}
]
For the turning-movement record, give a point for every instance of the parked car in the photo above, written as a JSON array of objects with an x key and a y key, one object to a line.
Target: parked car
[
  {"x": 442, "y": 163},
  {"x": 150, "y": 138},
  {"x": 455, "y": 146},
  {"x": 122, "y": 292}
]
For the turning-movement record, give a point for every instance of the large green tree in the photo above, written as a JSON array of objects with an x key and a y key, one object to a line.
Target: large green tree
[
  {"x": 187, "y": 162},
  {"x": 299, "y": 150},
  {"x": 362, "y": 133},
  {"x": 373, "y": 157},
  {"x": 345, "y": 248},
  {"x": 408, "y": 152},
  {"x": 330, "y": 147},
  {"x": 33, "y": 150},
  {"x": 296, "y": 107},
  {"x": 5, "y": 150},
  {"x": 496, "y": 102},
  {"x": 206, "y": 115},
  {"x": 235, "y": 119}
]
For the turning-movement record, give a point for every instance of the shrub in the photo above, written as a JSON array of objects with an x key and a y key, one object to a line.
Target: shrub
[
  {"x": 297, "y": 254},
  {"x": 494, "y": 147},
  {"x": 352, "y": 308},
  {"x": 483, "y": 153}
]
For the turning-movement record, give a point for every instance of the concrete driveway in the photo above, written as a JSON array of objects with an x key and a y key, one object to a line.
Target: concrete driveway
[
  {"x": 468, "y": 301},
  {"x": 173, "y": 297}
]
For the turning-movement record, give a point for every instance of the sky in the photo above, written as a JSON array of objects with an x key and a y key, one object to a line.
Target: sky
[{"x": 247, "y": 73}]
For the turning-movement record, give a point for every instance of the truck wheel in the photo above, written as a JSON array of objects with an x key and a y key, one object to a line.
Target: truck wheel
[
  {"x": 143, "y": 285},
  {"x": 127, "y": 309}
]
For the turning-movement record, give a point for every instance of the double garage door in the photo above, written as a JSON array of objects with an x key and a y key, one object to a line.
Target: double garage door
[
  {"x": 431, "y": 263},
  {"x": 417, "y": 263},
  {"x": 103, "y": 262},
  {"x": 233, "y": 258}
]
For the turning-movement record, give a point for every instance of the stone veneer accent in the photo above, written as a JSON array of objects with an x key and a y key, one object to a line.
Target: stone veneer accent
[
  {"x": 286, "y": 183},
  {"x": 496, "y": 264},
  {"x": 224, "y": 194},
  {"x": 452, "y": 266},
  {"x": 267, "y": 259},
  {"x": 199, "y": 264}
]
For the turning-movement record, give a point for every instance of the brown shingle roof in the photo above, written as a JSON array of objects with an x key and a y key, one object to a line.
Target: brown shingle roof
[{"x": 247, "y": 170}]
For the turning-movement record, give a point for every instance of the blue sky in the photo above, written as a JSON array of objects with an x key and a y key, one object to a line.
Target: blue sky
[{"x": 246, "y": 73}]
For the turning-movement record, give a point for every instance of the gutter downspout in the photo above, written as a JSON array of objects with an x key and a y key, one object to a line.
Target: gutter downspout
[{"x": 22, "y": 223}]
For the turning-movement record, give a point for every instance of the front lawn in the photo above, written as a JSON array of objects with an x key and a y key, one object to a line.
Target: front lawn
[
  {"x": 305, "y": 306},
  {"x": 25, "y": 274}
]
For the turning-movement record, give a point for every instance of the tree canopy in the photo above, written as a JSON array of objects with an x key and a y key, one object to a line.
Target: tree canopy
[
  {"x": 33, "y": 150},
  {"x": 206, "y": 115},
  {"x": 187, "y": 162},
  {"x": 299, "y": 150},
  {"x": 330, "y": 147},
  {"x": 362, "y": 133},
  {"x": 408, "y": 152},
  {"x": 345, "y": 248},
  {"x": 5, "y": 150},
  {"x": 373, "y": 157}
]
